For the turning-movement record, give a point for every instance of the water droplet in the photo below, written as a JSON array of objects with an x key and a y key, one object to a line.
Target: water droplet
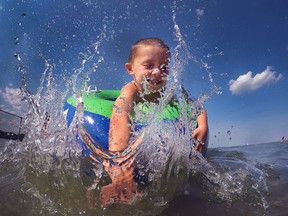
[
  {"x": 17, "y": 56},
  {"x": 16, "y": 40}
]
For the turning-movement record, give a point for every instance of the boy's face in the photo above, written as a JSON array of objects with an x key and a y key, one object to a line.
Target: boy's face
[{"x": 150, "y": 67}]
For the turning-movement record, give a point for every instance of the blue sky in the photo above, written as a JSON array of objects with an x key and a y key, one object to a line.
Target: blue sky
[{"x": 242, "y": 45}]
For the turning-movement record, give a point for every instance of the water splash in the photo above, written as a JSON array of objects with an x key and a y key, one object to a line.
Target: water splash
[
  {"x": 52, "y": 159},
  {"x": 232, "y": 180}
]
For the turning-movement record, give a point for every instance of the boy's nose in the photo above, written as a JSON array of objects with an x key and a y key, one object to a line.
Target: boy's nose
[{"x": 156, "y": 71}]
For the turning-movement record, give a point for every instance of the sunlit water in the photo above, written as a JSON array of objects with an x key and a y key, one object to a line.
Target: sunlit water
[{"x": 47, "y": 175}]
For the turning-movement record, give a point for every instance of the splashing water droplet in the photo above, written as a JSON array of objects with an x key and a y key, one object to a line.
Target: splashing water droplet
[
  {"x": 16, "y": 40},
  {"x": 17, "y": 56}
]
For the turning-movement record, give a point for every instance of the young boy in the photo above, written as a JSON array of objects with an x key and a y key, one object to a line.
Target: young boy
[{"x": 148, "y": 64}]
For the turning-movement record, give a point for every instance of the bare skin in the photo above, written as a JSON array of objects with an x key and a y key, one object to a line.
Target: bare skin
[
  {"x": 150, "y": 66},
  {"x": 200, "y": 133}
]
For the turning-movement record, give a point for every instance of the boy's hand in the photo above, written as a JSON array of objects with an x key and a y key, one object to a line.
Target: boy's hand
[
  {"x": 123, "y": 188},
  {"x": 200, "y": 135}
]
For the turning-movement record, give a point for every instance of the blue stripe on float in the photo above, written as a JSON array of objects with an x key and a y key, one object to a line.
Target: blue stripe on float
[{"x": 97, "y": 125}]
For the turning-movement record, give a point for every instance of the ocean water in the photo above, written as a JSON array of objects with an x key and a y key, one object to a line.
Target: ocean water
[
  {"x": 242, "y": 180},
  {"x": 265, "y": 163}
]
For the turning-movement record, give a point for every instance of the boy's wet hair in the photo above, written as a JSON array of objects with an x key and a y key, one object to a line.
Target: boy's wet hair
[{"x": 146, "y": 42}]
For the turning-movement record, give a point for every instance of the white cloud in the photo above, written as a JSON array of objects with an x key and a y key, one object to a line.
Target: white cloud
[
  {"x": 12, "y": 99},
  {"x": 247, "y": 83}
]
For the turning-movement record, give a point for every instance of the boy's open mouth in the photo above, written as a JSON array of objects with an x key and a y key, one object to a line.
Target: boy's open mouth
[{"x": 154, "y": 82}]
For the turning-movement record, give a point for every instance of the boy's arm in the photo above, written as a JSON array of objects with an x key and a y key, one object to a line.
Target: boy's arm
[
  {"x": 200, "y": 133},
  {"x": 119, "y": 131}
]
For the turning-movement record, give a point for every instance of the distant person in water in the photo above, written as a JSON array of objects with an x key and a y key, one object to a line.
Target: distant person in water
[
  {"x": 11, "y": 135},
  {"x": 148, "y": 64}
]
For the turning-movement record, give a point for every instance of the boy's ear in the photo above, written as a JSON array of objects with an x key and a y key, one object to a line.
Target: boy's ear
[{"x": 128, "y": 67}]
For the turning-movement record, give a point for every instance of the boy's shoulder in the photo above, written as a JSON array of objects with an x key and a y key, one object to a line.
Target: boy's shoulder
[
  {"x": 128, "y": 92},
  {"x": 129, "y": 87}
]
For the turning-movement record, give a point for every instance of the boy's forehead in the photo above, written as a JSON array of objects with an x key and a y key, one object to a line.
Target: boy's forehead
[
  {"x": 150, "y": 47},
  {"x": 151, "y": 50}
]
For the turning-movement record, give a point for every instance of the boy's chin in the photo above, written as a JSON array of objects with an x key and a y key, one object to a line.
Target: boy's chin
[
  {"x": 154, "y": 89},
  {"x": 150, "y": 87}
]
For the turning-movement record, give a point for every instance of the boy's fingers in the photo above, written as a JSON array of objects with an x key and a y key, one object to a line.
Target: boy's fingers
[
  {"x": 198, "y": 147},
  {"x": 195, "y": 133}
]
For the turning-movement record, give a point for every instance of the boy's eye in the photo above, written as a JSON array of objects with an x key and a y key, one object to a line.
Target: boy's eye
[{"x": 148, "y": 66}]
